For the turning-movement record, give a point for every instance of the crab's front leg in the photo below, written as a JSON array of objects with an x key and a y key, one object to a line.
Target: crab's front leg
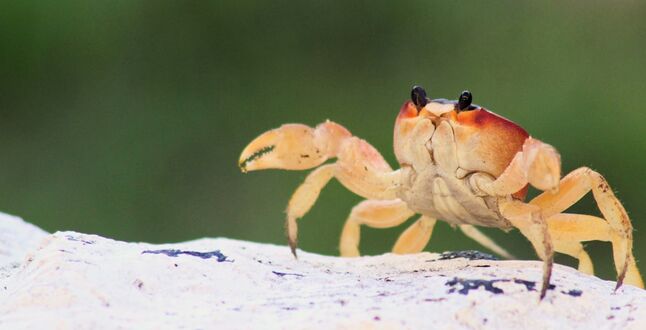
[
  {"x": 527, "y": 218},
  {"x": 538, "y": 164},
  {"x": 359, "y": 167}
]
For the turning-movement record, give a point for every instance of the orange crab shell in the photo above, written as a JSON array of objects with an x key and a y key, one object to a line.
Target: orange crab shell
[{"x": 485, "y": 141}]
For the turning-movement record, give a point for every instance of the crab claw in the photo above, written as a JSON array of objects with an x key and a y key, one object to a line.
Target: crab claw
[{"x": 292, "y": 147}]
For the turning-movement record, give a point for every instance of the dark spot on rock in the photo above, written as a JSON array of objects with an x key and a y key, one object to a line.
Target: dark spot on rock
[
  {"x": 286, "y": 274},
  {"x": 289, "y": 308},
  {"x": 482, "y": 266},
  {"x": 434, "y": 299},
  {"x": 76, "y": 239},
  {"x": 377, "y": 318},
  {"x": 176, "y": 265},
  {"x": 573, "y": 293},
  {"x": 204, "y": 255},
  {"x": 610, "y": 317},
  {"x": 615, "y": 308},
  {"x": 139, "y": 283},
  {"x": 468, "y": 285},
  {"x": 531, "y": 286},
  {"x": 305, "y": 156},
  {"x": 468, "y": 254},
  {"x": 474, "y": 284}
]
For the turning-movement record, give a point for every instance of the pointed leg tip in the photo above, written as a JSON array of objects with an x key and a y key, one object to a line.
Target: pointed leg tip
[
  {"x": 621, "y": 277},
  {"x": 620, "y": 282},
  {"x": 292, "y": 247}
]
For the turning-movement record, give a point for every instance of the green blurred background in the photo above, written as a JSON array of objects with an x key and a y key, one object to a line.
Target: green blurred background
[{"x": 126, "y": 118}]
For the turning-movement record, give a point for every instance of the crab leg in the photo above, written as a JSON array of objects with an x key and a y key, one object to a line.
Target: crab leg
[
  {"x": 576, "y": 185},
  {"x": 527, "y": 218},
  {"x": 359, "y": 166},
  {"x": 415, "y": 238},
  {"x": 373, "y": 213},
  {"x": 538, "y": 164},
  {"x": 567, "y": 230},
  {"x": 303, "y": 198},
  {"x": 482, "y": 239}
]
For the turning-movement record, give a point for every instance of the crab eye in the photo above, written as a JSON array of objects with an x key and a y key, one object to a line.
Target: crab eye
[
  {"x": 418, "y": 96},
  {"x": 465, "y": 100}
]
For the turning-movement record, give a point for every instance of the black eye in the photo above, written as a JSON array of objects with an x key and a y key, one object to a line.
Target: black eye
[
  {"x": 465, "y": 100},
  {"x": 418, "y": 96}
]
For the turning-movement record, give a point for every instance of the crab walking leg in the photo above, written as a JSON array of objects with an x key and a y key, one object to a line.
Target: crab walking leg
[
  {"x": 572, "y": 188},
  {"x": 527, "y": 218},
  {"x": 373, "y": 213},
  {"x": 482, "y": 239},
  {"x": 303, "y": 198},
  {"x": 415, "y": 238},
  {"x": 567, "y": 230},
  {"x": 575, "y": 250},
  {"x": 538, "y": 164}
]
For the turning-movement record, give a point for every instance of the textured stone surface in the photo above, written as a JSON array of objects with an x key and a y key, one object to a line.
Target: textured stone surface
[{"x": 73, "y": 280}]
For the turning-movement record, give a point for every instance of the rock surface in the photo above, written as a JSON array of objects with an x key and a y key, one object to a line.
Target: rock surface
[{"x": 72, "y": 280}]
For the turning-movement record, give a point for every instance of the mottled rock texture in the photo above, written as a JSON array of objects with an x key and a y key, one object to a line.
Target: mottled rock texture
[{"x": 71, "y": 280}]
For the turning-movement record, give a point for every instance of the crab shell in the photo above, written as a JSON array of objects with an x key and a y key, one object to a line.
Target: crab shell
[{"x": 485, "y": 141}]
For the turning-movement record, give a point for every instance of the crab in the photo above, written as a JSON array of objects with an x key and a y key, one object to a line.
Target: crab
[{"x": 459, "y": 163}]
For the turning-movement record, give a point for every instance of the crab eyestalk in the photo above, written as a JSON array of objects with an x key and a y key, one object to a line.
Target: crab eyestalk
[{"x": 292, "y": 147}]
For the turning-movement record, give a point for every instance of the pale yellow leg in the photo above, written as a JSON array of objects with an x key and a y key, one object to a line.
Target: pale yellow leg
[
  {"x": 527, "y": 218},
  {"x": 303, "y": 198},
  {"x": 373, "y": 213},
  {"x": 476, "y": 235},
  {"x": 571, "y": 189},
  {"x": 576, "y": 250},
  {"x": 359, "y": 168},
  {"x": 567, "y": 230},
  {"x": 415, "y": 238}
]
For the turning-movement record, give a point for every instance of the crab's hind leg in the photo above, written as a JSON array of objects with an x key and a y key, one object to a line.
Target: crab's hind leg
[
  {"x": 359, "y": 166},
  {"x": 568, "y": 230},
  {"x": 372, "y": 213},
  {"x": 576, "y": 185}
]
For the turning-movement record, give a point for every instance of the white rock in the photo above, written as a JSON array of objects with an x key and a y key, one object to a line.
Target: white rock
[
  {"x": 72, "y": 280},
  {"x": 16, "y": 239}
]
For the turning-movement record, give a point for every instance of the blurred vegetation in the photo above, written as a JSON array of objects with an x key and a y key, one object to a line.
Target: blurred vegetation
[{"x": 126, "y": 118}]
